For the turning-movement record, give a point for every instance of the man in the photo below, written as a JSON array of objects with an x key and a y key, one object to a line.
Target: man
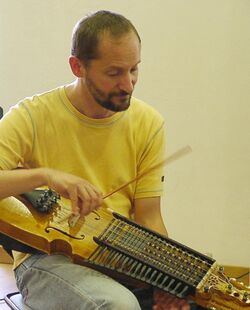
[{"x": 83, "y": 140}]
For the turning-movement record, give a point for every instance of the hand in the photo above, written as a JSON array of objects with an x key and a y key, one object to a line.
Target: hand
[
  {"x": 84, "y": 196},
  {"x": 166, "y": 301}
]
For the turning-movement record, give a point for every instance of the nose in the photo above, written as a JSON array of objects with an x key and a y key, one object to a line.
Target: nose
[{"x": 127, "y": 83}]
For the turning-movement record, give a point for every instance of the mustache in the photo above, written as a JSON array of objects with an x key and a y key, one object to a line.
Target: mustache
[{"x": 121, "y": 93}]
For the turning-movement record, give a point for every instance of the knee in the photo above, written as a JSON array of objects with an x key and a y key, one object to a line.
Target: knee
[{"x": 123, "y": 301}]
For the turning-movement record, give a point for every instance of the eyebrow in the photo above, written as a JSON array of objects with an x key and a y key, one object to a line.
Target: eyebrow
[{"x": 114, "y": 67}]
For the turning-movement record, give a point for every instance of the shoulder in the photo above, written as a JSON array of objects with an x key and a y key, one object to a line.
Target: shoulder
[
  {"x": 145, "y": 114},
  {"x": 43, "y": 100},
  {"x": 38, "y": 104},
  {"x": 142, "y": 108}
]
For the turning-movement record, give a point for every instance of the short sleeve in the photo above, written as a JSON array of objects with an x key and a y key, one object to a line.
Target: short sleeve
[
  {"x": 16, "y": 137},
  {"x": 151, "y": 185}
]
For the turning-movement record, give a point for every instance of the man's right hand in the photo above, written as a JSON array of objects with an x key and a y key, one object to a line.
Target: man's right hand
[{"x": 84, "y": 196}]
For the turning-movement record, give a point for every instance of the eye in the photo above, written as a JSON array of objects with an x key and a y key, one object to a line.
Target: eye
[
  {"x": 133, "y": 70},
  {"x": 112, "y": 74}
]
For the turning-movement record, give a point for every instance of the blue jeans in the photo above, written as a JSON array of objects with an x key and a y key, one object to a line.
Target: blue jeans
[{"x": 54, "y": 282}]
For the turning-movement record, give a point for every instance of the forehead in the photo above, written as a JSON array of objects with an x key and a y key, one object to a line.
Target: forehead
[{"x": 125, "y": 50}]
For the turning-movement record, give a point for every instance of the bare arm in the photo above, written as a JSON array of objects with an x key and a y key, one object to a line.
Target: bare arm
[
  {"x": 148, "y": 214},
  {"x": 84, "y": 196},
  {"x": 14, "y": 182}
]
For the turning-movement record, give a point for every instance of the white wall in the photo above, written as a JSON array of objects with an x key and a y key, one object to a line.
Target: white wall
[{"x": 195, "y": 71}]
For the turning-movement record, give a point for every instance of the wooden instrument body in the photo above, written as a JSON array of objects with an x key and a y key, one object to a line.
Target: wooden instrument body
[
  {"x": 124, "y": 250},
  {"x": 51, "y": 233}
]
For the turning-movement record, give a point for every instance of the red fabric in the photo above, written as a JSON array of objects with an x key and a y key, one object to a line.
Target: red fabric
[{"x": 166, "y": 301}]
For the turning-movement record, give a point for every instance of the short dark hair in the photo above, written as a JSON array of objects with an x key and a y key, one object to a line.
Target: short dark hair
[{"x": 87, "y": 32}]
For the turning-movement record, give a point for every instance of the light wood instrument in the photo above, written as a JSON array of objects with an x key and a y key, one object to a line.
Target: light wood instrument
[{"x": 115, "y": 245}]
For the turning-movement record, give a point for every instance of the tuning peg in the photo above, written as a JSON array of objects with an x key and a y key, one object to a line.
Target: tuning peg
[
  {"x": 206, "y": 289},
  {"x": 245, "y": 296},
  {"x": 46, "y": 194},
  {"x": 229, "y": 288}
]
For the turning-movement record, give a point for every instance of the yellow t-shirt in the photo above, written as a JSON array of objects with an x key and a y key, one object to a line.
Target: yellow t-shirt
[{"x": 47, "y": 131}]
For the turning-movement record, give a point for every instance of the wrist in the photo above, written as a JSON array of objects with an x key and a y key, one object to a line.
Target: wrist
[{"x": 43, "y": 176}]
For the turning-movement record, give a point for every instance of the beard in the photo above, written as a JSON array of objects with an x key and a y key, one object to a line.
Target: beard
[{"x": 106, "y": 100}]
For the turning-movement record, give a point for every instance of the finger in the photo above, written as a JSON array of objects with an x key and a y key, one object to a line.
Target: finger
[
  {"x": 94, "y": 199},
  {"x": 96, "y": 190},
  {"x": 84, "y": 200},
  {"x": 97, "y": 195}
]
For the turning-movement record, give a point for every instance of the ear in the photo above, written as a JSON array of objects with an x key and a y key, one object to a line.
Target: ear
[{"x": 76, "y": 66}]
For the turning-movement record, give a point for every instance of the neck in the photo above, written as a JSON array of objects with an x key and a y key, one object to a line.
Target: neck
[{"x": 82, "y": 100}]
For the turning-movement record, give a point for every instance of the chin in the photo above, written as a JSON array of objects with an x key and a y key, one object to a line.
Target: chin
[{"x": 121, "y": 106}]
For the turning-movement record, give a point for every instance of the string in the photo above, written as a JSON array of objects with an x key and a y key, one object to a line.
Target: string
[
  {"x": 179, "y": 254},
  {"x": 166, "y": 263},
  {"x": 199, "y": 275},
  {"x": 140, "y": 238},
  {"x": 170, "y": 265}
]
